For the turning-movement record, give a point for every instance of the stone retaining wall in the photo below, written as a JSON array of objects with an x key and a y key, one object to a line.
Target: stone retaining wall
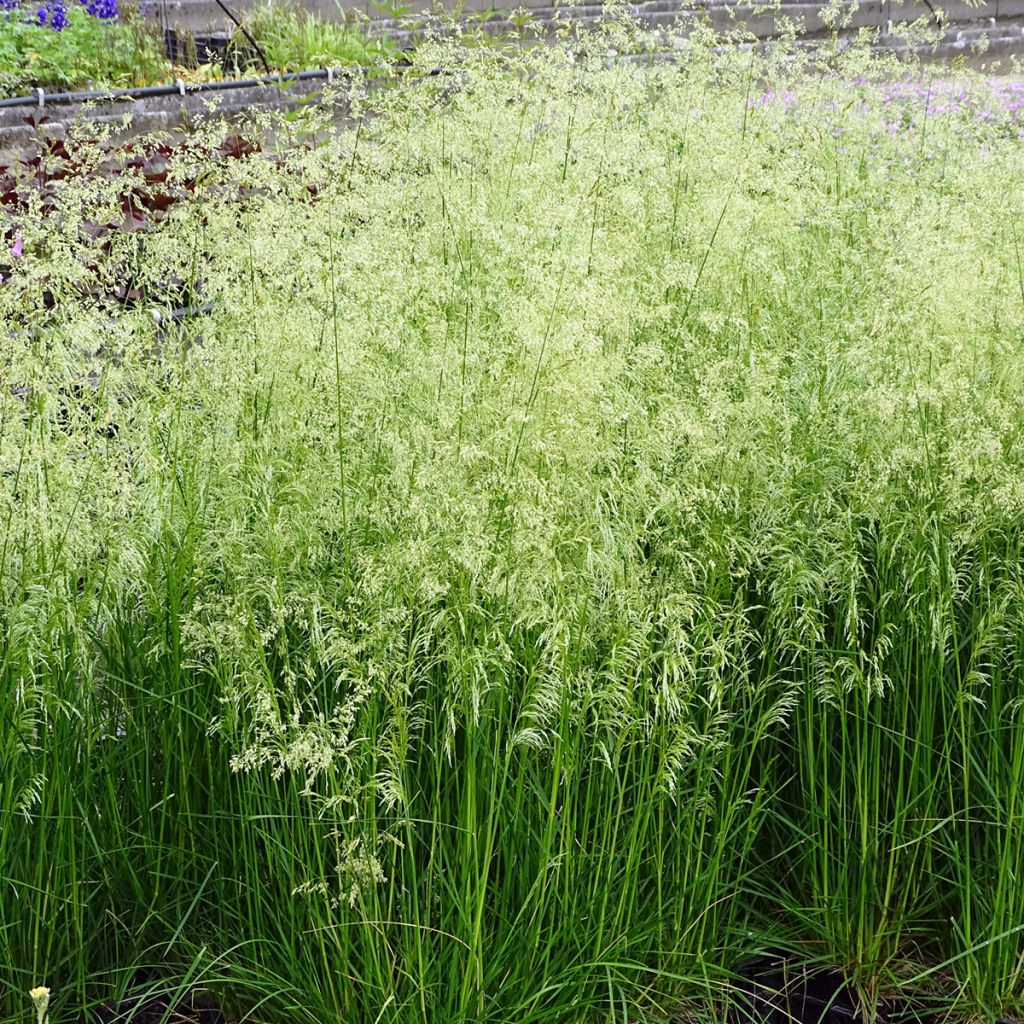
[
  {"x": 205, "y": 15},
  {"x": 158, "y": 113},
  {"x": 200, "y": 15}
]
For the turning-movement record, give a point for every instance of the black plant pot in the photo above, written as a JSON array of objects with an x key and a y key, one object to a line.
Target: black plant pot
[{"x": 190, "y": 50}]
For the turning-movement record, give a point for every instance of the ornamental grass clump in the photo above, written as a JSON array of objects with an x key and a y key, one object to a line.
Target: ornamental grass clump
[
  {"x": 291, "y": 38},
  {"x": 579, "y": 548}
]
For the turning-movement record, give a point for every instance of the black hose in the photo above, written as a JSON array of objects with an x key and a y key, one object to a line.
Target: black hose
[
  {"x": 143, "y": 92},
  {"x": 245, "y": 32}
]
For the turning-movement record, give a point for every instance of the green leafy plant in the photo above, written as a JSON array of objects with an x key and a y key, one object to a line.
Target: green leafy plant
[{"x": 88, "y": 53}]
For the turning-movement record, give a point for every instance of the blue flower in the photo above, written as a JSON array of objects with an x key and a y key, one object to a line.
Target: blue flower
[
  {"x": 105, "y": 10},
  {"x": 54, "y": 13}
]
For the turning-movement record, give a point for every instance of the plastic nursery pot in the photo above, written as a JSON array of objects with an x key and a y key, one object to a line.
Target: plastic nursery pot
[{"x": 187, "y": 49}]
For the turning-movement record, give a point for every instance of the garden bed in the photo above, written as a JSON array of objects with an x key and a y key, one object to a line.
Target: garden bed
[
  {"x": 577, "y": 576},
  {"x": 92, "y": 45}
]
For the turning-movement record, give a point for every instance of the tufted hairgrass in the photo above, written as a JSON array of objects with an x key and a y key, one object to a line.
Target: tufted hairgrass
[{"x": 580, "y": 548}]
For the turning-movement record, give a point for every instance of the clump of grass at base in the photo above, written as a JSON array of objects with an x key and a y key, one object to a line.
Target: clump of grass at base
[
  {"x": 584, "y": 533},
  {"x": 294, "y": 39}
]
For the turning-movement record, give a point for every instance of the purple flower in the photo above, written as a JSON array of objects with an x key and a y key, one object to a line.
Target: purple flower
[
  {"x": 54, "y": 13},
  {"x": 51, "y": 12},
  {"x": 19, "y": 245},
  {"x": 105, "y": 10}
]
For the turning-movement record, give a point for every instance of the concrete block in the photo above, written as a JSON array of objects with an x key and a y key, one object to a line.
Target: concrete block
[
  {"x": 867, "y": 15},
  {"x": 728, "y": 16},
  {"x": 955, "y": 10}
]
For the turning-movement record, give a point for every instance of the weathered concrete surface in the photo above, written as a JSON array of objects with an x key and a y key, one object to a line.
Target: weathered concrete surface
[{"x": 1000, "y": 22}]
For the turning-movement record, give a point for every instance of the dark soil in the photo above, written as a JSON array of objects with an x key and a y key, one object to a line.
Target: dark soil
[
  {"x": 192, "y": 1008},
  {"x": 777, "y": 989}
]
